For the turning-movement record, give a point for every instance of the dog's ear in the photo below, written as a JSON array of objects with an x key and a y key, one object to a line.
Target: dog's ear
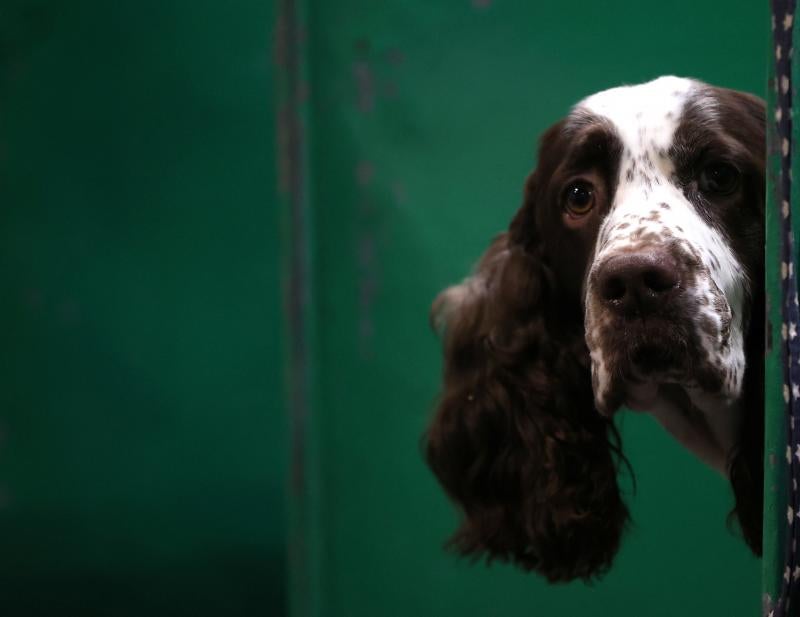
[
  {"x": 746, "y": 473},
  {"x": 744, "y": 116},
  {"x": 516, "y": 441},
  {"x": 746, "y": 461},
  {"x": 746, "y": 464}
]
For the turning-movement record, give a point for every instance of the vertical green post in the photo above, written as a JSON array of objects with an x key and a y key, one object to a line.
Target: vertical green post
[
  {"x": 295, "y": 203},
  {"x": 775, "y": 416},
  {"x": 778, "y": 451}
]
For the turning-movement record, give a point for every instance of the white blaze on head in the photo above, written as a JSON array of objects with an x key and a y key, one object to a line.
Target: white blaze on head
[{"x": 654, "y": 107}]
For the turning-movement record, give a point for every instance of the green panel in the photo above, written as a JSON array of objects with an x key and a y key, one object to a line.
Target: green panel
[
  {"x": 142, "y": 455},
  {"x": 425, "y": 117},
  {"x": 775, "y": 487}
]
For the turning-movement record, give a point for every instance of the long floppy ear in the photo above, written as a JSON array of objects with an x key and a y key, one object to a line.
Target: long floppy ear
[
  {"x": 746, "y": 463},
  {"x": 516, "y": 440}
]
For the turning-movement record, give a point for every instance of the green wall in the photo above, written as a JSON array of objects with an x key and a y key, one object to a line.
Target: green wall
[
  {"x": 142, "y": 444},
  {"x": 423, "y": 128},
  {"x": 142, "y": 440}
]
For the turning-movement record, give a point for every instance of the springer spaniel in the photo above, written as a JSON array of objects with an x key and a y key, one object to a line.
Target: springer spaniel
[{"x": 632, "y": 276}]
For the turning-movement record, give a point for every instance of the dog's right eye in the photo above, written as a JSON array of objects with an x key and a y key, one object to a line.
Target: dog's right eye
[{"x": 579, "y": 198}]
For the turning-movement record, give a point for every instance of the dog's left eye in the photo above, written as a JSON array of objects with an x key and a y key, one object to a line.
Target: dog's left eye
[{"x": 719, "y": 178}]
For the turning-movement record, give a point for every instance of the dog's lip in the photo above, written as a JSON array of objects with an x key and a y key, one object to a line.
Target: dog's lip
[
  {"x": 642, "y": 365},
  {"x": 640, "y": 396},
  {"x": 642, "y": 388},
  {"x": 643, "y": 395}
]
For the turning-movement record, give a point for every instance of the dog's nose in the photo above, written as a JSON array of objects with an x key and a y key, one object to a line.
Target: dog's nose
[{"x": 638, "y": 283}]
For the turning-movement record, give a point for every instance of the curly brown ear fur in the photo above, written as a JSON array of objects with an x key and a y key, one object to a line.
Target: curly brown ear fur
[{"x": 516, "y": 440}]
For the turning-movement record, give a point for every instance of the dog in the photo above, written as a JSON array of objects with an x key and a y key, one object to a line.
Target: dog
[{"x": 631, "y": 276}]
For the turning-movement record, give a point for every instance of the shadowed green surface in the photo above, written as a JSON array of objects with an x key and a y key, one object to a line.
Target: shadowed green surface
[
  {"x": 775, "y": 434},
  {"x": 142, "y": 455},
  {"x": 425, "y": 117}
]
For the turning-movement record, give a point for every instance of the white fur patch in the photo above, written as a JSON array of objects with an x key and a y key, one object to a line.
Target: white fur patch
[{"x": 652, "y": 109}]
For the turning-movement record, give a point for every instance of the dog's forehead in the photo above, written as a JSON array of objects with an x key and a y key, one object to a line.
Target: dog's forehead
[{"x": 651, "y": 110}]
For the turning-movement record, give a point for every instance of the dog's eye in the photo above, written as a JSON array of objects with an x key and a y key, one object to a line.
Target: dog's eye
[
  {"x": 719, "y": 178},
  {"x": 579, "y": 198}
]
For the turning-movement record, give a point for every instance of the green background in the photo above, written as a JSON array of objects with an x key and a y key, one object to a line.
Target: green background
[
  {"x": 143, "y": 441},
  {"x": 142, "y": 459}
]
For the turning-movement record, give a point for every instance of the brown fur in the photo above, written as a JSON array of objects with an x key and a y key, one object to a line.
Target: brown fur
[{"x": 516, "y": 440}]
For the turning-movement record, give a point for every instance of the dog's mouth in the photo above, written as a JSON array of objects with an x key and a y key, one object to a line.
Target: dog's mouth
[
  {"x": 653, "y": 349},
  {"x": 646, "y": 357},
  {"x": 686, "y": 343},
  {"x": 647, "y": 369},
  {"x": 657, "y": 356}
]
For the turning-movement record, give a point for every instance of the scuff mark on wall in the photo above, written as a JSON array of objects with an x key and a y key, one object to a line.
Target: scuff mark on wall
[
  {"x": 292, "y": 87},
  {"x": 364, "y": 173},
  {"x": 365, "y": 86},
  {"x": 375, "y": 80},
  {"x": 366, "y": 257},
  {"x": 395, "y": 57},
  {"x": 367, "y": 290},
  {"x": 399, "y": 193}
]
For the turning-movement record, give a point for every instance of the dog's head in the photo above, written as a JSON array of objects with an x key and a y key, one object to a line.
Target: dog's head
[
  {"x": 628, "y": 272},
  {"x": 679, "y": 237}
]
